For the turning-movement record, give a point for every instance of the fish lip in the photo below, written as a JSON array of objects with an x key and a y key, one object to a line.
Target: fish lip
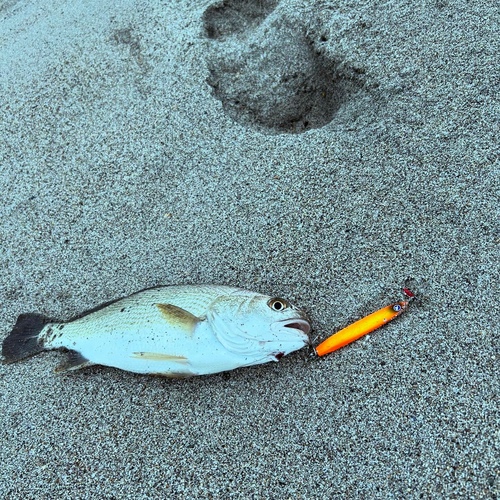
[{"x": 298, "y": 324}]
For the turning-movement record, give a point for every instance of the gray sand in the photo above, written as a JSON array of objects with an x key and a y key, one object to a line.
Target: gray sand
[{"x": 327, "y": 152}]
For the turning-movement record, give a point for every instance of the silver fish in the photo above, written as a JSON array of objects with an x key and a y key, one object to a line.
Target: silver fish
[{"x": 174, "y": 331}]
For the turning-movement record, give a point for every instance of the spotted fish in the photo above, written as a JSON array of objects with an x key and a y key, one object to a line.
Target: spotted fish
[{"x": 174, "y": 331}]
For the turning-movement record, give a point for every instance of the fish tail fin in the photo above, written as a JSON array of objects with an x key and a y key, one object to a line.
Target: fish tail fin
[{"x": 23, "y": 340}]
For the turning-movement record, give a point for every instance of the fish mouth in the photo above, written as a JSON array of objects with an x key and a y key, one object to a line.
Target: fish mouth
[{"x": 298, "y": 324}]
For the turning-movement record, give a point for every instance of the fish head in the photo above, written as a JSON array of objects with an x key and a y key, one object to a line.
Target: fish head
[{"x": 260, "y": 327}]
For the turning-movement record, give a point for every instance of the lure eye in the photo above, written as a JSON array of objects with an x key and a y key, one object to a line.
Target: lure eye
[
  {"x": 277, "y": 304},
  {"x": 396, "y": 308}
]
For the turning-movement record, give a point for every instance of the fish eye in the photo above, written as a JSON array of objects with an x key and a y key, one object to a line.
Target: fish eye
[
  {"x": 277, "y": 304},
  {"x": 397, "y": 308}
]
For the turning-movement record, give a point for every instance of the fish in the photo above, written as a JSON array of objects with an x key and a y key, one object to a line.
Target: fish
[{"x": 174, "y": 331}]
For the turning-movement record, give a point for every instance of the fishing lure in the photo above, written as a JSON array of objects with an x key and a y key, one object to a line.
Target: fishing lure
[{"x": 363, "y": 326}]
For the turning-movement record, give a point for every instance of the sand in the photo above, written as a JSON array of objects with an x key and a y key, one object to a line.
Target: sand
[{"x": 327, "y": 152}]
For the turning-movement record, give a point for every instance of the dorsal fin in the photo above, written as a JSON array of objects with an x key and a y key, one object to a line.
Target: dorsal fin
[
  {"x": 74, "y": 361},
  {"x": 176, "y": 316}
]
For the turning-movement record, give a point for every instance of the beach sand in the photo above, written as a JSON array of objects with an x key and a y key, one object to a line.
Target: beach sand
[{"x": 327, "y": 152}]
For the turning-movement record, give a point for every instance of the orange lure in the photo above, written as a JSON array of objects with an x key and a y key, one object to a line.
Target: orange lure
[{"x": 361, "y": 327}]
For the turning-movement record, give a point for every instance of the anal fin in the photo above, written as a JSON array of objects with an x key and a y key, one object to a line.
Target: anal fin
[{"x": 74, "y": 361}]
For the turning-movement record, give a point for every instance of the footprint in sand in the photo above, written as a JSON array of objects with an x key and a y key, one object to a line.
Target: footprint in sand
[
  {"x": 268, "y": 73},
  {"x": 235, "y": 16}
]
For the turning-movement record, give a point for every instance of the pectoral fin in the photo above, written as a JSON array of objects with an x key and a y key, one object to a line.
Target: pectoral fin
[
  {"x": 75, "y": 361},
  {"x": 159, "y": 356},
  {"x": 178, "y": 317}
]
